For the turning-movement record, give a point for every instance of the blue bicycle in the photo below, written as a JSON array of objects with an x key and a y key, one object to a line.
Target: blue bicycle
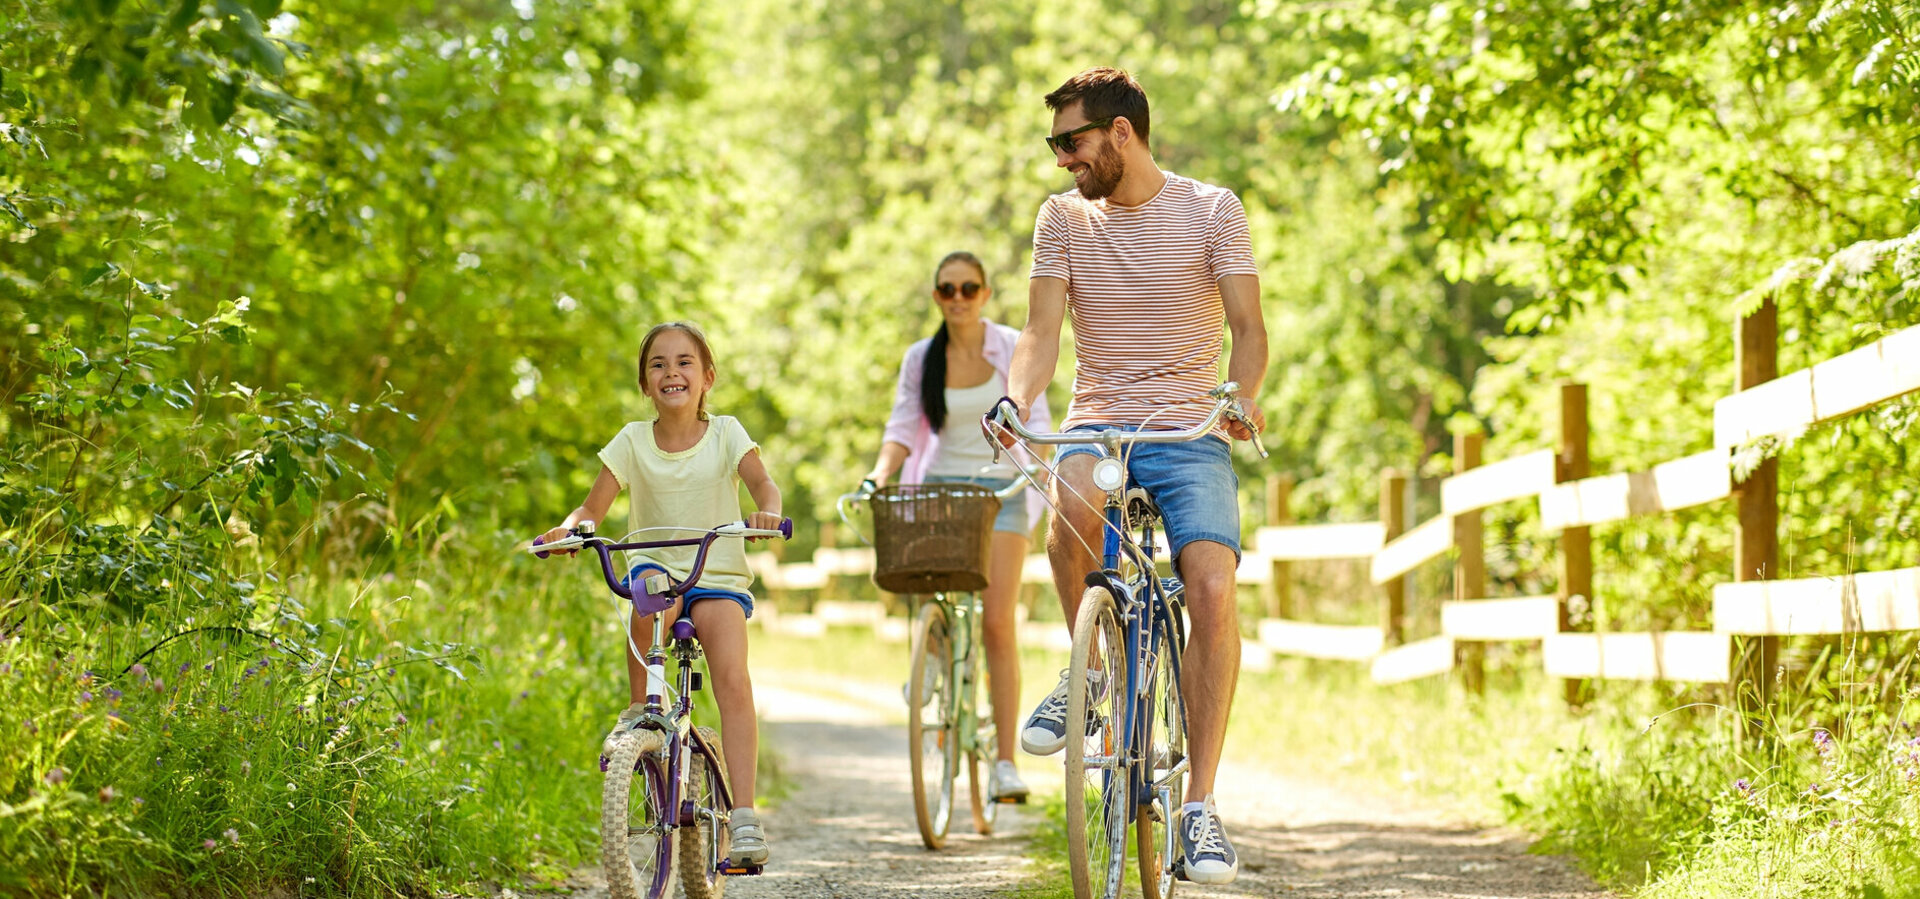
[{"x": 1123, "y": 684}]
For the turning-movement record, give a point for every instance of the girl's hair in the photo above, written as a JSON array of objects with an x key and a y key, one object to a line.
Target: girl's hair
[
  {"x": 699, "y": 341},
  {"x": 933, "y": 373}
]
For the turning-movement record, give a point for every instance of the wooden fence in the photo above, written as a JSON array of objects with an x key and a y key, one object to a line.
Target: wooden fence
[{"x": 1749, "y": 613}]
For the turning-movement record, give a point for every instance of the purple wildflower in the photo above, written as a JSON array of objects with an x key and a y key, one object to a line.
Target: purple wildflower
[
  {"x": 1822, "y": 741},
  {"x": 138, "y": 670},
  {"x": 233, "y": 836},
  {"x": 208, "y": 845},
  {"x": 1745, "y": 788},
  {"x": 208, "y": 666},
  {"x": 399, "y": 717},
  {"x": 85, "y": 697},
  {"x": 185, "y": 667},
  {"x": 57, "y": 775},
  {"x": 225, "y": 709},
  {"x": 112, "y": 694},
  {"x": 138, "y": 801},
  {"x": 159, "y": 686}
]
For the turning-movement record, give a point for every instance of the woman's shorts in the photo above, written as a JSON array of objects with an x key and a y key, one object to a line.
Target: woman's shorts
[
  {"x": 1013, "y": 511},
  {"x": 698, "y": 593}
]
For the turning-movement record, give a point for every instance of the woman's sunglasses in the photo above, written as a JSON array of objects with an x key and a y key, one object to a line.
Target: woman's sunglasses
[{"x": 946, "y": 290}]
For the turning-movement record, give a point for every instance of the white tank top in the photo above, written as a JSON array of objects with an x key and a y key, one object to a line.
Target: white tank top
[{"x": 963, "y": 451}]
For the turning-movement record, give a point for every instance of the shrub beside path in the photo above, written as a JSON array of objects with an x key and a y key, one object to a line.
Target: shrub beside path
[{"x": 846, "y": 831}]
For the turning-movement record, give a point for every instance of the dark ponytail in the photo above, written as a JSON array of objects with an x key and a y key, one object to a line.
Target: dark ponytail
[
  {"x": 933, "y": 372},
  {"x": 933, "y": 381}
]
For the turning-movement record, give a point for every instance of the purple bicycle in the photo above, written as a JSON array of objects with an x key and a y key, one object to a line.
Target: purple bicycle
[{"x": 666, "y": 792}]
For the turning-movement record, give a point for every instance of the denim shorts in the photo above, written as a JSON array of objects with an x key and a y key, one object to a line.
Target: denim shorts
[
  {"x": 1193, "y": 483},
  {"x": 698, "y": 593},
  {"x": 1013, "y": 511}
]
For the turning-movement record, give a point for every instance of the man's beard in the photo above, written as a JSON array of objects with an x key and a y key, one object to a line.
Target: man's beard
[{"x": 1104, "y": 174}]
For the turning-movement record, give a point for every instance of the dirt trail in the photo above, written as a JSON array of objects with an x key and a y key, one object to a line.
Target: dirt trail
[{"x": 846, "y": 832}]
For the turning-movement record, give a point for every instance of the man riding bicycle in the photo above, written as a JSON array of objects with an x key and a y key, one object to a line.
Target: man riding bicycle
[{"x": 1151, "y": 266}]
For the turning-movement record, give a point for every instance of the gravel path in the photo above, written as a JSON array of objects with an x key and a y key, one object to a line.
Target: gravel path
[{"x": 846, "y": 832}]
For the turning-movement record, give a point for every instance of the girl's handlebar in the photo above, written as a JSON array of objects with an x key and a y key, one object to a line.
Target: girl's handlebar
[{"x": 583, "y": 536}]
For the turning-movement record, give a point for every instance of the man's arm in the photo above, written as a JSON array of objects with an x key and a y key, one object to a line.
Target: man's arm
[
  {"x": 1247, "y": 362},
  {"x": 1037, "y": 352}
]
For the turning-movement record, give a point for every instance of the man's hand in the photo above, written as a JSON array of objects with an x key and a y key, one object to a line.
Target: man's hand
[
  {"x": 1021, "y": 411},
  {"x": 1251, "y": 410}
]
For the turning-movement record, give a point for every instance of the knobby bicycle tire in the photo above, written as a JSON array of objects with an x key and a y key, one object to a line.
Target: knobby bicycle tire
[
  {"x": 636, "y": 847},
  {"x": 704, "y": 844},
  {"x": 1098, "y": 801},
  {"x": 932, "y": 743}
]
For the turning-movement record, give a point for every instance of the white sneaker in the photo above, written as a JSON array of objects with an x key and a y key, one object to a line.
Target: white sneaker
[
  {"x": 1005, "y": 784},
  {"x": 626, "y": 720},
  {"x": 748, "y": 840}
]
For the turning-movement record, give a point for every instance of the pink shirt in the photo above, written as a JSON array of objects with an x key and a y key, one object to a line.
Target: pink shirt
[{"x": 908, "y": 424}]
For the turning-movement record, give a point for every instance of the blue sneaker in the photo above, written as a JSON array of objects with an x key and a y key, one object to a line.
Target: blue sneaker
[
  {"x": 1045, "y": 732},
  {"x": 1205, "y": 854}
]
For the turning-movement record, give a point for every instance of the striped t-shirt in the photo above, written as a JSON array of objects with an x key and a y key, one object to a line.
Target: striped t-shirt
[{"x": 1143, "y": 293}]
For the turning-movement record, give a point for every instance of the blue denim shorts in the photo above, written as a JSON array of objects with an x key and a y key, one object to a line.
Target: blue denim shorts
[
  {"x": 698, "y": 593},
  {"x": 1013, "y": 511},
  {"x": 1193, "y": 483}
]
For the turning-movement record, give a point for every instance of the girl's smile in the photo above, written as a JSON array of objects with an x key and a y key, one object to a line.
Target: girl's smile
[{"x": 676, "y": 376}]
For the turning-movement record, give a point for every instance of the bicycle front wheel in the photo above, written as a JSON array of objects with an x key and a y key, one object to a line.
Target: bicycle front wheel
[
  {"x": 636, "y": 838},
  {"x": 704, "y": 844},
  {"x": 1165, "y": 748},
  {"x": 1098, "y": 802},
  {"x": 933, "y": 742}
]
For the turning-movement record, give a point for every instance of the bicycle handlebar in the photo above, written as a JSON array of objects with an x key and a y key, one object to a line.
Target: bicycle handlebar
[
  {"x": 583, "y": 536},
  {"x": 1225, "y": 403}
]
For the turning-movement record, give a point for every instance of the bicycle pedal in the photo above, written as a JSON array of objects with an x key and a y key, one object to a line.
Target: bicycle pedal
[{"x": 732, "y": 870}]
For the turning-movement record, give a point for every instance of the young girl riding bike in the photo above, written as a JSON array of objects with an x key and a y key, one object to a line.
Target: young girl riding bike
[{"x": 682, "y": 470}]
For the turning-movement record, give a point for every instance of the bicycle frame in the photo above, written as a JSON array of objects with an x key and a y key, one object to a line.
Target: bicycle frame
[
  {"x": 657, "y": 594},
  {"x": 1145, "y": 606}
]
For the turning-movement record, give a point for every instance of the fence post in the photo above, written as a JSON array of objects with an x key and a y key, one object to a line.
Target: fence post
[
  {"x": 1393, "y": 514},
  {"x": 1756, "y": 545},
  {"x": 1280, "y": 512},
  {"x": 1470, "y": 563},
  {"x": 1576, "y": 544}
]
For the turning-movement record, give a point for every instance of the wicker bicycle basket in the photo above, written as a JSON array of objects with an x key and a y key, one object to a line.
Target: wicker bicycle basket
[{"x": 932, "y": 538}]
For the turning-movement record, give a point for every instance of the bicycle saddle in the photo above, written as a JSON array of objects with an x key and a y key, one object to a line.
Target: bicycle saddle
[{"x": 1140, "y": 508}]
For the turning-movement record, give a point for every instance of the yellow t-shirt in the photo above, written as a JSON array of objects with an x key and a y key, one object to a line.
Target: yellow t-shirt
[{"x": 694, "y": 488}]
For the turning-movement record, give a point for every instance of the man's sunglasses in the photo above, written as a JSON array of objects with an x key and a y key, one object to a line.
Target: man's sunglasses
[
  {"x": 1064, "y": 141},
  {"x": 946, "y": 289}
]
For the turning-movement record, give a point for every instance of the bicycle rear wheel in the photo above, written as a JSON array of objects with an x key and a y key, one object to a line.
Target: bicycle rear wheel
[
  {"x": 1098, "y": 801},
  {"x": 704, "y": 845},
  {"x": 636, "y": 840},
  {"x": 933, "y": 743},
  {"x": 1165, "y": 749}
]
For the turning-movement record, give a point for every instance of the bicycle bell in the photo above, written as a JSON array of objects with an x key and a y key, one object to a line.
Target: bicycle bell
[{"x": 1108, "y": 474}]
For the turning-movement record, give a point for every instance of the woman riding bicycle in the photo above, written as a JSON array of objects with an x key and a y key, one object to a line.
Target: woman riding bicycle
[{"x": 946, "y": 383}]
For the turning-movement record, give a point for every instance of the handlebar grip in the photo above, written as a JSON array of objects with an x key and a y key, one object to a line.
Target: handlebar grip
[
  {"x": 786, "y": 528},
  {"x": 536, "y": 542}
]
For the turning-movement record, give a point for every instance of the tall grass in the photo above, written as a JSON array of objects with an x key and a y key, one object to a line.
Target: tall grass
[{"x": 429, "y": 728}]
